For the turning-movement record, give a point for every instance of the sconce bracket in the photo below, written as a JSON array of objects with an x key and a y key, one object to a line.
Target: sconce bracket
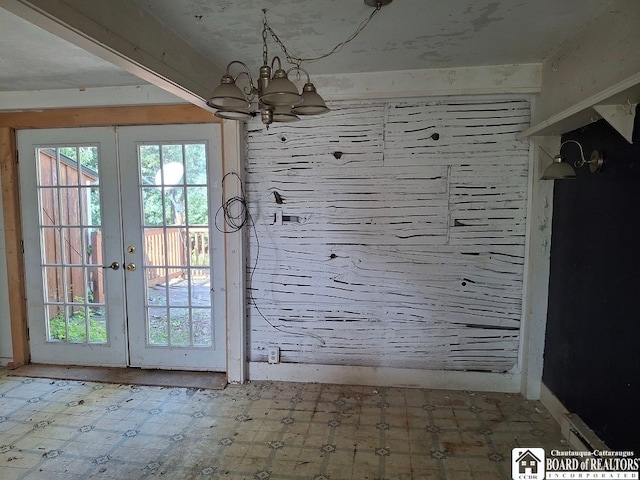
[{"x": 596, "y": 161}]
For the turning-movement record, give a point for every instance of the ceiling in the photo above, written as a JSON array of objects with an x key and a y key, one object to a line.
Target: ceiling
[
  {"x": 33, "y": 59},
  {"x": 405, "y": 35}
]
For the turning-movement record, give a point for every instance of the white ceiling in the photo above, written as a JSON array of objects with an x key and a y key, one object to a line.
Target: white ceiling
[
  {"x": 33, "y": 59},
  {"x": 405, "y": 35}
]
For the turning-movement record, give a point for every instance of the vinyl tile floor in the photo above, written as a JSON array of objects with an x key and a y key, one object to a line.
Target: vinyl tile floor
[{"x": 51, "y": 429}]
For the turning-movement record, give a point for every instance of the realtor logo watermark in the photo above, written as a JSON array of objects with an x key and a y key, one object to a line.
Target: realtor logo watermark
[
  {"x": 536, "y": 464},
  {"x": 528, "y": 463}
]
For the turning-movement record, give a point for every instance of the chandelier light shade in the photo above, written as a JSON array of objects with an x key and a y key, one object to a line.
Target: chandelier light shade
[
  {"x": 228, "y": 95},
  {"x": 277, "y": 97},
  {"x": 281, "y": 91},
  {"x": 229, "y": 114},
  {"x": 284, "y": 114},
  {"x": 561, "y": 170},
  {"x": 312, "y": 103}
]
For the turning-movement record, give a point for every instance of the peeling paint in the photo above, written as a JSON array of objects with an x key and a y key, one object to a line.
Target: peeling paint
[{"x": 434, "y": 278}]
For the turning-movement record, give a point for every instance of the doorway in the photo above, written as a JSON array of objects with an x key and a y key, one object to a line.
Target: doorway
[{"x": 122, "y": 265}]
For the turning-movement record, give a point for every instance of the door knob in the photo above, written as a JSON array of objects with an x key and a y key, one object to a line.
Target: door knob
[
  {"x": 131, "y": 267},
  {"x": 113, "y": 266}
]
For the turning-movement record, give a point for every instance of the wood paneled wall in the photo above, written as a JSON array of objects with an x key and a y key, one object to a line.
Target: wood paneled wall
[{"x": 392, "y": 246}]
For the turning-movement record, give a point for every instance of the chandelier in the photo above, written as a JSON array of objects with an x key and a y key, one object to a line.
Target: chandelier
[{"x": 276, "y": 96}]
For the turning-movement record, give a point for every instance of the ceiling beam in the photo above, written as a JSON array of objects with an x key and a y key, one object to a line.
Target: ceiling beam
[
  {"x": 598, "y": 66},
  {"x": 479, "y": 80},
  {"x": 120, "y": 32}
]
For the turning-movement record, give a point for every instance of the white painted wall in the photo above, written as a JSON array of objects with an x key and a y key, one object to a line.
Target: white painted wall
[
  {"x": 407, "y": 252},
  {"x": 6, "y": 351}
]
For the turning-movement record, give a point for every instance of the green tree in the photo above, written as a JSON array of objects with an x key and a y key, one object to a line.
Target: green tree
[{"x": 163, "y": 202}]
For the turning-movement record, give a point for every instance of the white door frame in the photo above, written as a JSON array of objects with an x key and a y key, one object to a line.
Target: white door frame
[{"x": 235, "y": 358}]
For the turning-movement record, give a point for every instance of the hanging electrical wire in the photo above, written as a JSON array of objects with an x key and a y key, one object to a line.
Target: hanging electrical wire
[
  {"x": 236, "y": 215},
  {"x": 294, "y": 59},
  {"x": 234, "y": 209}
]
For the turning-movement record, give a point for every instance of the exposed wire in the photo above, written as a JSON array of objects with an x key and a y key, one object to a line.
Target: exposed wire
[
  {"x": 235, "y": 222},
  {"x": 293, "y": 59}
]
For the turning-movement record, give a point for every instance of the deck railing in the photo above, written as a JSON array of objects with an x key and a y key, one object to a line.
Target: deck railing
[
  {"x": 165, "y": 261},
  {"x": 184, "y": 248}
]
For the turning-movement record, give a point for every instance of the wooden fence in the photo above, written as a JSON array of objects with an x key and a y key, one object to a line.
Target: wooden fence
[
  {"x": 73, "y": 250},
  {"x": 64, "y": 207}
]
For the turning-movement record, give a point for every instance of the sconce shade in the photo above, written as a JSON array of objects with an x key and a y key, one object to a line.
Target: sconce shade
[
  {"x": 281, "y": 91},
  {"x": 228, "y": 96},
  {"x": 312, "y": 102},
  {"x": 559, "y": 170}
]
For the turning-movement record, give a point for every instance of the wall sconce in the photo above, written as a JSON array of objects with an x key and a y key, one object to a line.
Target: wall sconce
[{"x": 561, "y": 170}]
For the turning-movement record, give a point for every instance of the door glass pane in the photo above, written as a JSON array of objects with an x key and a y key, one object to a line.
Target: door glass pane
[
  {"x": 158, "y": 322},
  {"x": 70, "y": 229},
  {"x": 195, "y": 164},
  {"x": 196, "y": 206},
  {"x": 153, "y": 212},
  {"x": 176, "y": 244}
]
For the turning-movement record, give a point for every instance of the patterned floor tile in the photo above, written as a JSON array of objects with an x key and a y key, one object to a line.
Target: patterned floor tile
[{"x": 264, "y": 430}]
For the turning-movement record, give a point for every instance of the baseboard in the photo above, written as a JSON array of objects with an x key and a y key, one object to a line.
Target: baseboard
[
  {"x": 5, "y": 361},
  {"x": 385, "y": 377},
  {"x": 552, "y": 404},
  {"x": 578, "y": 434}
]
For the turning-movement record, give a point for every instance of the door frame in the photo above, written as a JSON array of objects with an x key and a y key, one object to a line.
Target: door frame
[{"x": 232, "y": 143}]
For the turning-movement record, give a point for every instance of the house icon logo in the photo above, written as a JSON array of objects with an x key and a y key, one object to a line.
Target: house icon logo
[{"x": 527, "y": 463}]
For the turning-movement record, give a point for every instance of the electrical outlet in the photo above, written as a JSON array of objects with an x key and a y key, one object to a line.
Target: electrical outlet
[{"x": 274, "y": 355}]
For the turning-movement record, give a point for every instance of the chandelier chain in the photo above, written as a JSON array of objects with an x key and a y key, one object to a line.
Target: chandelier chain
[
  {"x": 265, "y": 27},
  {"x": 293, "y": 59}
]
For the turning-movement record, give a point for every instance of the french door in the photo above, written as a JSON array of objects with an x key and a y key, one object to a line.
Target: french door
[{"x": 122, "y": 265}]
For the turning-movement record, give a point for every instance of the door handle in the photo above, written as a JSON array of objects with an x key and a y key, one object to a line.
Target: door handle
[
  {"x": 113, "y": 266},
  {"x": 131, "y": 267}
]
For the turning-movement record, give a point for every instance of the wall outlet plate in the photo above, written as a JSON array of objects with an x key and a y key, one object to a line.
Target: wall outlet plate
[{"x": 273, "y": 355}]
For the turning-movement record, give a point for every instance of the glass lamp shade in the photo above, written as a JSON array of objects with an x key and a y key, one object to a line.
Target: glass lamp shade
[
  {"x": 228, "y": 96},
  {"x": 229, "y": 114},
  {"x": 559, "y": 170},
  {"x": 284, "y": 114},
  {"x": 281, "y": 91},
  {"x": 312, "y": 102}
]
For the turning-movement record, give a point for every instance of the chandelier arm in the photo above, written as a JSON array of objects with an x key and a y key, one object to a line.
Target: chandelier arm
[
  {"x": 273, "y": 61},
  {"x": 299, "y": 69},
  {"x": 295, "y": 60},
  {"x": 239, "y": 63},
  {"x": 249, "y": 90},
  {"x": 247, "y": 72}
]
